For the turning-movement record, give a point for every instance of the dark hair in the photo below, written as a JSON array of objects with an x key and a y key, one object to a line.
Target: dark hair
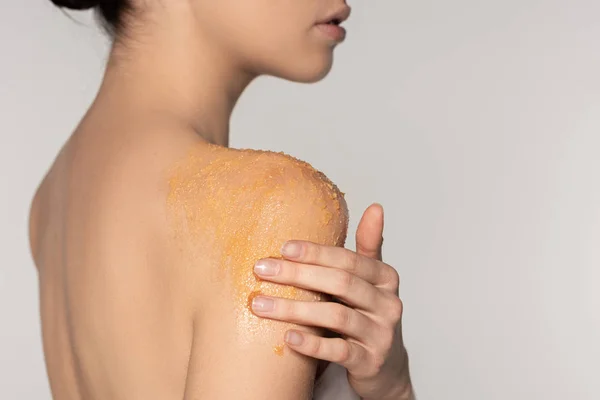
[{"x": 111, "y": 11}]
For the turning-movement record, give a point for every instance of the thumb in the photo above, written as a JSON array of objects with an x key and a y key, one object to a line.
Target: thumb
[{"x": 369, "y": 234}]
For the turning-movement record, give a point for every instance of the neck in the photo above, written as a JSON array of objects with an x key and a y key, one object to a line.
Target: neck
[{"x": 174, "y": 72}]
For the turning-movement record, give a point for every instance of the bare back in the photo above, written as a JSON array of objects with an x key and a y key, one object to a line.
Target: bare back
[{"x": 145, "y": 252}]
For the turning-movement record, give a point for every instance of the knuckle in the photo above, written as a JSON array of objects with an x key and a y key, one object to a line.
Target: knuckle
[
  {"x": 288, "y": 310},
  {"x": 396, "y": 310},
  {"x": 342, "y": 282},
  {"x": 290, "y": 271},
  {"x": 314, "y": 346},
  {"x": 378, "y": 363},
  {"x": 340, "y": 317},
  {"x": 312, "y": 251},
  {"x": 343, "y": 352},
  {"x": 352, "y": 260},
  {"x": 394, "y": 277}
]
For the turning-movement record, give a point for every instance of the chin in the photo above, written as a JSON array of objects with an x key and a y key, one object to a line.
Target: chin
[
  {"x": 309, "y": 70},
  {"x": 313, "y": 76}
]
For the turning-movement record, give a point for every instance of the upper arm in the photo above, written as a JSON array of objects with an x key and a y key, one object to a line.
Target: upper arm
[{"x": 236, "y": 354}]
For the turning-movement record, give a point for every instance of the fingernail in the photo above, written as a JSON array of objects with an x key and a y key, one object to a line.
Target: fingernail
[
  {"x": 263, "y": 304},
  {"x": 294, "y": 338},
  {"x": 266, "y": 267},
  {"x": 292, "y": 250}
]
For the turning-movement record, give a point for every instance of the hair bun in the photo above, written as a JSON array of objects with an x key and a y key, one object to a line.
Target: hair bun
[{"x": 77, "y": 4}]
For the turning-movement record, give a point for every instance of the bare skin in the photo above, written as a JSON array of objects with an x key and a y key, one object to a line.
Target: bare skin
[
  {"x": 128, "y": 308},
  {"x": 146, "y": 228}
]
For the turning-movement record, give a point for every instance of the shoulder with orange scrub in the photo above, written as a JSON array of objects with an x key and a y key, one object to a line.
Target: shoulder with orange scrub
[{"x": 226, "y": 210}]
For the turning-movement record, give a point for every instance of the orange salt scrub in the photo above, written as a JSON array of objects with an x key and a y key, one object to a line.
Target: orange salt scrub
[
  {"x": 238, "y": 206},
  {"x": 279, "y": 349}
]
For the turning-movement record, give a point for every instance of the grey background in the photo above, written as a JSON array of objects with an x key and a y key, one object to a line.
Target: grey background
[{"x": 475, "y": 123}]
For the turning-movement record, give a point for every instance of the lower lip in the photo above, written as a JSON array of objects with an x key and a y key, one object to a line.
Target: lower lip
[{"x": 334, "y": 32}]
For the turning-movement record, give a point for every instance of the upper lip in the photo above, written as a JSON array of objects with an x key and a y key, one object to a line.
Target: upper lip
[{"x": 338, "y": 16}]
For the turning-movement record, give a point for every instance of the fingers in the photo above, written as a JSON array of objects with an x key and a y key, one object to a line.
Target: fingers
[
  {"x": 369, "y": 234},
  {"x": 348, "y": 354},
  {"x": 337, "y": 282},
  {"x": 366, "y": 268},
  {"x": 332, "y": 316}
]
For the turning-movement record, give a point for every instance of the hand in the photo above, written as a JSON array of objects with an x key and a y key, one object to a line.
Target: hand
[{"x": 367, "y": 316}]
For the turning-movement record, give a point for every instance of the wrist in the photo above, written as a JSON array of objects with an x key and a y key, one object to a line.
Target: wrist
[
  {"x": 401, "y": 389},
  {"x": 407, "y": 393},
  {"x": 404, "y": 389},
  {"x": 402, "y": 392}
]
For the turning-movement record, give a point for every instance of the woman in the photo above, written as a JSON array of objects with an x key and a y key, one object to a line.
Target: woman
[{"x": 159, "y": 249}]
